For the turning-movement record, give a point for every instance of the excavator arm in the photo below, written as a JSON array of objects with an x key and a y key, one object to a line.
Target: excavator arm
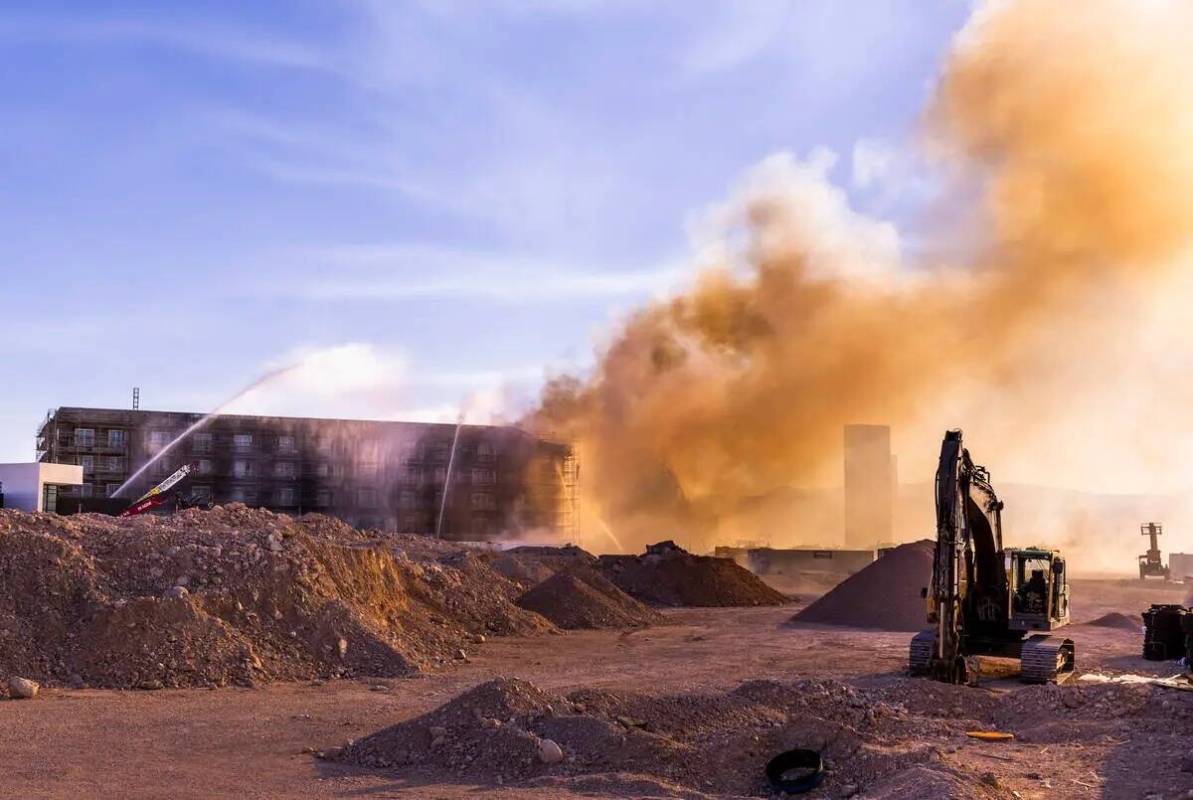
[
  {"x": 968, "y": 544},
  {"x": 972, "y": 610}
]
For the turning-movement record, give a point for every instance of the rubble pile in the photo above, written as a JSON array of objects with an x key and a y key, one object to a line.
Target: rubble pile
[
  {"x": 668, "y": 575},
  {"x": 583, "y": 598},
  {"x": 530, "y": 565},
  {"x": 884, "y": 595},
  {"x": 235, "y": 595},
  {"x": 888, "y": 741},
  {"x": 1117, "y": 620}
]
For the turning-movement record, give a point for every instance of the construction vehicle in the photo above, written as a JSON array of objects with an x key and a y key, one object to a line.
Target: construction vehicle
[
  {"x": 1151, "y": 564},
  {"x": 164, "y": 492},
  {"x": 987, "y": 600}
]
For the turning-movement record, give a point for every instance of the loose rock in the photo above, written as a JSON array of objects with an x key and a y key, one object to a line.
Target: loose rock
[
  {"x": 23, "y": 688},
  {"x": 550, "y": 752}
]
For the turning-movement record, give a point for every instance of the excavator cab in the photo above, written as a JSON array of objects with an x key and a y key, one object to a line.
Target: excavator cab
[{"x": 1039, "y": 589}]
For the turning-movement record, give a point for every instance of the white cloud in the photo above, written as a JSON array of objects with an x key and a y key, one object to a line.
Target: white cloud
[
  {"x": 223, "y": 43},
  {"x": 353, "y": 380},
  {"x": 735, "y": 34},
  {"x": 359, "y": 380},
  {"x": 794, "y": 206},
  {"x": 391, "y": 271},
  {"x": 873, "y": 162}
]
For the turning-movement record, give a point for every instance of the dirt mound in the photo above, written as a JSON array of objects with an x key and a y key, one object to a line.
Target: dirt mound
[
  {"x": 234, "y": 595},
  {"x": 689, "y": 745},
  {"x": 530, "y": 565},
  {"x": 1116, "y": 620},
  {"x": 672, "y": 577},
  {"x": 583, "y": 598},
  {"x": 884, "y": 595}
]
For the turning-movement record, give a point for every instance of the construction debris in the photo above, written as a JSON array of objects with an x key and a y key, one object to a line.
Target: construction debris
[
  {"x": 235, "y": 595},
  {"x": 714, "y": 743},
  {"x": 668, "y": 575},
  {"x": 530, "y": 565},
  {"x": 901, "y": 738},
  {"x": 584, "y": 598}
]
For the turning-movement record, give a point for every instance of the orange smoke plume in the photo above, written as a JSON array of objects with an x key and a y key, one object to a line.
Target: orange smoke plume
[{"x": 1067, "y": 137}]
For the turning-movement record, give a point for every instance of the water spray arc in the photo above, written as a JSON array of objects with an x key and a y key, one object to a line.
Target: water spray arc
[
  {"x": 447, "y": 479},
  {"x": 259, "y": 382},
  {"x": 605, "y": 529}
]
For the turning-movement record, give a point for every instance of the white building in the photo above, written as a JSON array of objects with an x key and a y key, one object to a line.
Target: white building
[{"x": 34, "y": 486}]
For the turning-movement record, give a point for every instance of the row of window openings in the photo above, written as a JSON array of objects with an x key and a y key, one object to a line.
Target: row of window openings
[
  {"x": 287, "y": 496},
  {"x": 85, "y": 437},
  {"x": 289, "y": 470},
  {"x": 203, "y": 443},
  {"x": 104, "y": 463}
]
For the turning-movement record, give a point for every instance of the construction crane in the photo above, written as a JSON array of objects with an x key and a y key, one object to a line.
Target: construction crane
[
  {"x": 987, "y": 600},
  {"x": 1151, "y": 565}
]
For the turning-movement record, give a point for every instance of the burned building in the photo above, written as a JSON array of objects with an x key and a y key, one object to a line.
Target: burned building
[{"x": 385, "y": 475}]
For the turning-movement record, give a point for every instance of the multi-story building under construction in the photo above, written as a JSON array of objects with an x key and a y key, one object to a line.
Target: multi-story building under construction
[{"x": 387, "y": 475}]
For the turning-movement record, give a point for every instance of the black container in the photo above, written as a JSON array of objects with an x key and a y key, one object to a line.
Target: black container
[
  {"x": 1164, "y": 634},
  {"x": 1187, "y": 623}
]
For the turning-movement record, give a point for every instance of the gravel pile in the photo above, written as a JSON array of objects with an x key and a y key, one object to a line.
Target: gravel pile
[
  {"x": 583, "y": 598},
  {"x": 673, "y": 577},
  {"x": 1116, "y": 620},
  {"x": 234, "y": 595},
  {"x": 530, "y": 565},
  {"x": 884, "y": 595}
]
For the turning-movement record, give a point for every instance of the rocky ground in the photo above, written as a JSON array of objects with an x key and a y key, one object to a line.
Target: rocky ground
[
  {"x": 673, "y": 577},
  {"x": 581, "y": 597},
  {"x": 313, "y": 660},
  {"x": 693, "y": 692},
  {"x": 236, "y": 596}
]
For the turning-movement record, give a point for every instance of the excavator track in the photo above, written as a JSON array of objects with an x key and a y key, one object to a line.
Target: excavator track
[
  {"x": 1047, "y": 659},
  {"x": 923, "y": 645},
  {"x": 1044, "y": 659}
]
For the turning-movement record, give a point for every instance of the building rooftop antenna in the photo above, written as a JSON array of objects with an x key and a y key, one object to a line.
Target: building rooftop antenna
[{"x": 136, "y": 397}]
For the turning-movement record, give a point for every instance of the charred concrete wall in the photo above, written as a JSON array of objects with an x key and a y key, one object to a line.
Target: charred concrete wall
[
  {"x": 797, "y": 561},
  {"x": 1180, "y": 565},
  {"x": 384, "y": 475}
]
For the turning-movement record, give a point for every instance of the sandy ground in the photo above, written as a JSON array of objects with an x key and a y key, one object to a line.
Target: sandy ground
[{"x": 250, "y": 743}]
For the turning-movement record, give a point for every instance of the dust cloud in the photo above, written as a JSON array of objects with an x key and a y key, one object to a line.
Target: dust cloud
[{"x": 1060, "y": 143}]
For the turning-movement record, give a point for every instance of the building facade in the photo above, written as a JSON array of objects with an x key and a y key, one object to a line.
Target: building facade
[
  {"x": 384, "y": 475},
  {"x": 35, "y": 487}
]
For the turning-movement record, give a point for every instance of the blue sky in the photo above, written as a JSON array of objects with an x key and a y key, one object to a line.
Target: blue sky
[{"x": 465, "y": 194}]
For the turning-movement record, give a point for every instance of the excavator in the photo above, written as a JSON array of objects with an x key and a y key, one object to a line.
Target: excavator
[{"x": 987, "y": 600}]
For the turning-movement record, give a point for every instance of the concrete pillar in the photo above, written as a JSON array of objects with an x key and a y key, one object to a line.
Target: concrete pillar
[{"x": 869, "y": 486}]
